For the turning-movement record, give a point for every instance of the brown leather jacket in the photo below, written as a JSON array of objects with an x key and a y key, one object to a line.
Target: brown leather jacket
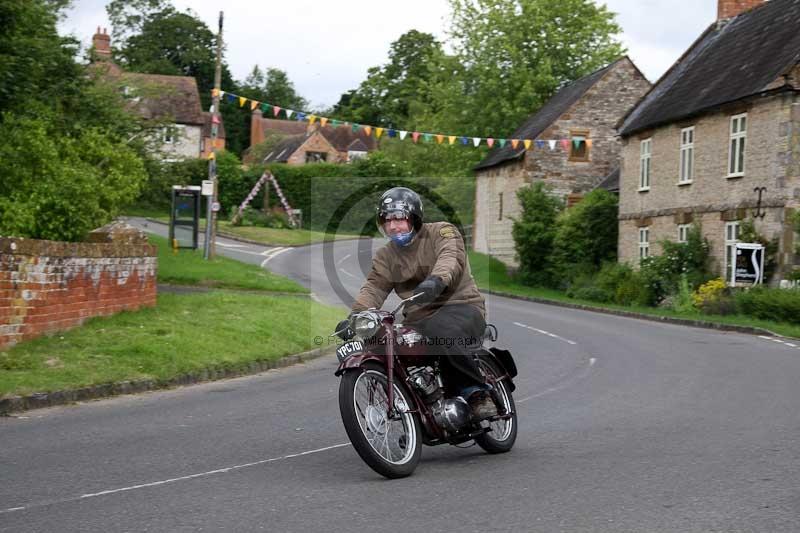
[{"x": 437, "y": 250}]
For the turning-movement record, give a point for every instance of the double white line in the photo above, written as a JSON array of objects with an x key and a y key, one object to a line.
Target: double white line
[{"x": 272, "y": 253}]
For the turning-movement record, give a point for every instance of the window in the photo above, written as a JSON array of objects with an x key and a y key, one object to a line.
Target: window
[
  {"x": 352, "y": 155},
  {"x": 687, "y": 155},
  {"x": 644, "y": 165},
  {"x": 683, "y": 232},
  {"x": 737, "y": 145},
  {"x": 731, "y": 238},
  {"x": 315, "y": 157},
  {"x": 172, "y": 134},
  {"x": 578, "y": 149},
  {"x": 644, "y": 243},
  {"x": 500, "y": 215}
]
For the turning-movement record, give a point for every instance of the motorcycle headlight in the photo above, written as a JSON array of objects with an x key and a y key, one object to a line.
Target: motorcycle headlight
[{"x": 366, "y": 324}]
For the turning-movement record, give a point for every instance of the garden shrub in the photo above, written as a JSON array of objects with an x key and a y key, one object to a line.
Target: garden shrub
[
  {"x": 780, "y": 305},
  {"x": 714, "y": 298},
  {"x": 533, "y": 234}
]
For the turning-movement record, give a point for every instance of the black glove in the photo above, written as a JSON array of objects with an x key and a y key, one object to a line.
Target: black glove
[
  {"x": 344, "y": 331},
  {"x": 430, "y": 288}
]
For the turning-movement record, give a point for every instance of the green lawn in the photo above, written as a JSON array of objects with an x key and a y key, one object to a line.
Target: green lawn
[
  {"x": 490, "y": 274},
  {"x": 184, "y": 333},
  {"x": 188, "y": 267}
]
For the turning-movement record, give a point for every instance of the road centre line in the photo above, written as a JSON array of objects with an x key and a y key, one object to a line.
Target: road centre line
[
  {"x": 272, "y": 254},
  {"x": 564, "y": 382},
  {"x": 172, "y": 480},
  {"x": 774, "y": 339},
  {"x": 543, "y": 332}
]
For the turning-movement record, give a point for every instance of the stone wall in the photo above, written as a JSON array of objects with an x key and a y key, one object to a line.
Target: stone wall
[
  {"x": 772, "y": 154},
  {"x": 595, "y": 114},
  {"x": 49, "y": 286}
]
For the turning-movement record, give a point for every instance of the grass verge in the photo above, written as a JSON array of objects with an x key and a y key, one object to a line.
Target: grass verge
[
  {"x": 188, "y": 267},
  {"x": 490, "y": 274},
  {"x": 184, "y": 333}
]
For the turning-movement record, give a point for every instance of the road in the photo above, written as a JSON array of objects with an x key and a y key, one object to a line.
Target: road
[{"x": 625, "y": 425}]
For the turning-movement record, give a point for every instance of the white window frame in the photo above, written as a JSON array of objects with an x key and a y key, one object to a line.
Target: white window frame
[
  {"x": 737, "y": 146},
  {"x": 732, "y": 232},
  {"x": 686, "y": 171},
  {"x": 644, "y": 243},
  {"x": 683, "y": 232},
  {"x": 645, "y": 153},
  {"x": 173, "y": 133}
]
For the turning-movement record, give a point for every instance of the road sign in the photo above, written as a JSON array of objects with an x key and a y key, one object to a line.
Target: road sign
[
  {"x": 208, "y": 188},
  {"x": 748, "y": 265},
  {"x": 215, "y": 207}
]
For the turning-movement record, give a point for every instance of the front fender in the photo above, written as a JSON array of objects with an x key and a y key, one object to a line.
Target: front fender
[{"x": 356, "y": 361}]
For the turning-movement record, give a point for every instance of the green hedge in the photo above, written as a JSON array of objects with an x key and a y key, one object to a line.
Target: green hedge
[{"x": 780, "y": 305}]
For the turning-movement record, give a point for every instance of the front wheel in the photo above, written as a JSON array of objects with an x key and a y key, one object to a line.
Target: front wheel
[
  {"x": 390, "y": 446},
  {"x": 504, "y": 431}
]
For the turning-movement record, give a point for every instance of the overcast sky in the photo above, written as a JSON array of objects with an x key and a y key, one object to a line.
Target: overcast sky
[{"x": 327, "y": 47}]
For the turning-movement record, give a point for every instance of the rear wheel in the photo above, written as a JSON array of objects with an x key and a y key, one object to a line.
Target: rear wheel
[
  {"x": 504, "y": 431},
  {"x": 389, "y": 445}
]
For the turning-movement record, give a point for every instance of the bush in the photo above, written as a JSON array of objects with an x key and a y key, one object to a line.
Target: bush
[
  {"x": 534, "y": 232},
  {"x": 683, "y": 302},
  {"x": 780, "y": 305},
  {"x": 595, "y": 294},
  {"x": 276, "y": 218},
  {"x": 714, "y": 298}
]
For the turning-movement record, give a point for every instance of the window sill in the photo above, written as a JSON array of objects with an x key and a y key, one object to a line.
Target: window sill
[
  {"x": 734, "y": 176},
  {"x": 643, "y": 189},
  {"x": 682, "y": 183}
]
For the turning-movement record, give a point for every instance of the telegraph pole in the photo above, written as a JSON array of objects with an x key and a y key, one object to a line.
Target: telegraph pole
[{"x": 211, "y": 214}]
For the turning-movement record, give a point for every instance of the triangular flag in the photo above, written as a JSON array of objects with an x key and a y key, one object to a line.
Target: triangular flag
[
  {"x": 242, "y": 100},
  {"x": 427, "y": 136},
  {"x": 464, "y": 141},
  {"x": 588, "y": 143},
  {"x": 552, "y": 145},
  {"x": 264, "y": 107},
  {"x": 565, "y": 144},
  {"x": 211, "y": 155},
  {"x": 414, "y": 136},
  {"x": 275, "y": 110},
  {"x": 502, "y": 142},
  {"x": 334, "y": 123},
  {"x": 514, "y": 143},
  {"x": 368, "y": 130},
  {"x": 527, "y": 143},
  {"x": 301, "y": 116},
  {"x": 439, "y": 138},
  {"x": 253, "y": 105},
  {"x": 231, "y": 97},
  {"x": 476, "y": 141},
  {"x": 378, "y": 133},
  {"x": 312, "y": 118},
  {"x": 323, "y": 121},
  {"x": 576, "y": 142},
  {"x": 355, "y": 127},
  {"x": 214, "y": 92},
  {"x": 451, "y": 138},
  {"x": 392, "y": 133},
  {"x": 539, "y": 144},
  {"x": 403, "y": 135},
  {"x": 490, "y": 142},
  {"x": 288, "y": 113},
  {"x": 215, "y": 119}
]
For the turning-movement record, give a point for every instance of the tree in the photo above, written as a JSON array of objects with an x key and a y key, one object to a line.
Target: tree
[
  {"x": 274, "y": 87},
  {"x": 517, "y": 53},
  {"x": 534, "y": 232}
]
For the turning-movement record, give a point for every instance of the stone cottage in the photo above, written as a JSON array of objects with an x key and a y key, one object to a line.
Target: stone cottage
[
  {"x": 581, "y": 118},
  {"x": 716, "y": 141}
]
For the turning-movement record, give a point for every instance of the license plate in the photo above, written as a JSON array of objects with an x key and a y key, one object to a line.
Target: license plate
[{"x": 349, "y": 349}]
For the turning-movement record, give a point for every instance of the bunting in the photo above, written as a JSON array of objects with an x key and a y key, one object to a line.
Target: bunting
[{"x": 368, "y": 130}]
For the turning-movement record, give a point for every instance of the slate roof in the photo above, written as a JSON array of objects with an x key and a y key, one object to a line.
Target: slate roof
[
  {"x": 544, "y": 117},
  {"x": 733, "y": 59},
  {"x": 284, "y": 149},
  {"x": 343, "y": 136},
  {"x": 285, "y": 127},
  {"x": 610, "y": 182}
]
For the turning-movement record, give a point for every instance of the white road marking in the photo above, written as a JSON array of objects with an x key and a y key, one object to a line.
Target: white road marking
[
  {"x": 227, "y": 245},
  {"x": 272, "y": 254},
  {"x": 774, "y": 339},
  {"x": 564, "y": 383},
  {"x": 340, "y": 261},
  {"x": 543, "y": 332},
  {"x": 173, "y": 480},
  {"x": 343, "y": 271}
]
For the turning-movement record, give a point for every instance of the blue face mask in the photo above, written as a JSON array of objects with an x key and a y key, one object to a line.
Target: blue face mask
[{"x": 403, "y": 239}]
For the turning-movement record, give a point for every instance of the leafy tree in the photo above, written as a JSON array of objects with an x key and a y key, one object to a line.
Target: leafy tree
[
  {"x": 534, "y": 233},
  {"x": 517, "y": 53},
  {"x": 586, "y": 235},
  {"x": 273, "y": 86}
]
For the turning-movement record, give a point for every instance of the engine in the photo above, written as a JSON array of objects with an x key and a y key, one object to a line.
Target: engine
[{"x": 451, "y": 414}]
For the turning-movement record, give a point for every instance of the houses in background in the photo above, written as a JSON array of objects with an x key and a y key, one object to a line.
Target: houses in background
[
  {"x": 173, "y": 100},
  {"x": 584, "y": 115}
]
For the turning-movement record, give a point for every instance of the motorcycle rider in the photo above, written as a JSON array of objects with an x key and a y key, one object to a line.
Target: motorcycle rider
[{"x": 430, "y": 259}]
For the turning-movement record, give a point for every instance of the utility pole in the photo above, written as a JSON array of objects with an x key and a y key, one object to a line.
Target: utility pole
[{"x": 211, "y": 214}]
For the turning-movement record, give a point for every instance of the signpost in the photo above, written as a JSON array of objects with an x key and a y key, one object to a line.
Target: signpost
[{"x": 748, "y": 266}]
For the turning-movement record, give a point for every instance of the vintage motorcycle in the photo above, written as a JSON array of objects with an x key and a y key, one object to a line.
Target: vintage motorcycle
[{"x": 392, "y": 400}]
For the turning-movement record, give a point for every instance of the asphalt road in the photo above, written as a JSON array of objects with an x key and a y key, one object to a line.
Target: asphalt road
[{"x": 625, "y": 425}]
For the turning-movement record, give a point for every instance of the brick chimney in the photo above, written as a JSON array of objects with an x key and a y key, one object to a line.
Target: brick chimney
[
  {"x": 101, "y": 43},
  {"x": 730, "y": 8}
]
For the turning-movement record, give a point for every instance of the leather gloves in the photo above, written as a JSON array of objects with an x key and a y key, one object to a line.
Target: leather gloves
[
  {"x": 343, "y": 330},
  {"x": 431, "y": 288}
]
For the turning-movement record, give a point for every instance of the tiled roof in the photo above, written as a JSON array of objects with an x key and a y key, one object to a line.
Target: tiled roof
[
  {"x": 544, "y": 117},
  {"x": 284, "y": 149},
  {"x": 173, "y": 97},
  {"x": 610, "y": 182},
  {"x": 285, "y": 127},
  {"x": 343, "y": 136},
  {"x": 733, "y": 59}
]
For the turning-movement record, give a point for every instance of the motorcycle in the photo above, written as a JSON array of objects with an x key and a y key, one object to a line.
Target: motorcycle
[{"x": 392, "y": 401}]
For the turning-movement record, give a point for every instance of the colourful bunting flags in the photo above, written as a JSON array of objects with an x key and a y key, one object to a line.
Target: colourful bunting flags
[
  {"x": 527, "y": 143},
  {"x": 415, "y": 136},
  {"x": 514, "y": 143},
  {"x": 253, "y": 105},
  {"x": 378, "y": 133},
  {"x": 242, "y": 100},
  {"x": 367, "y": 130},
  {"x": 490, "y": 142}
]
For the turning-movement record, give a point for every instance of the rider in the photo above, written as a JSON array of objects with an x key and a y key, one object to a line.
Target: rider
[{"x": 430, "y": 259}]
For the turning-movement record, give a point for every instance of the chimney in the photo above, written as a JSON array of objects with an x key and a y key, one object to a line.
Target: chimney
[
  {"x": 730, "y": 8},
  {"x": 101, "y": 43}
]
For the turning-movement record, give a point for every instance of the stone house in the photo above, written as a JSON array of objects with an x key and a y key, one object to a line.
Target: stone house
[
  {"x": 716, "y": 141},
  {"x": 309, "y": 143},
  {"x": 173, "y": 100},
  {"x": 585, "y": 111}
]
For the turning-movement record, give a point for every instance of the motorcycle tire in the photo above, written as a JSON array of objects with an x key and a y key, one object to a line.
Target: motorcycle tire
[{"x": 504, "y": 432}]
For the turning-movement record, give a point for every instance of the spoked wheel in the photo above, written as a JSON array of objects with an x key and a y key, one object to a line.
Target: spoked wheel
[
  {"x": 390, "y": 445},
  {"x": 504, "y": 431}
]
